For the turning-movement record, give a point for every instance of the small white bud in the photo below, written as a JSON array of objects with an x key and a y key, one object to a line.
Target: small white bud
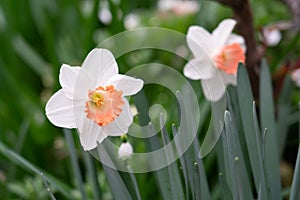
[{"x": 125, "y": 151}]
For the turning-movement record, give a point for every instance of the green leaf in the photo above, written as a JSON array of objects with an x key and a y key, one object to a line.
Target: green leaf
[
  {"x": 92, "y": 174},
  {"x": 31, "y": 57},
  {"x": 284, "y": 112},
  {"x": 295, "y": 192},
  {"x": 267, "y": 118},
  {"x": 117, "y": 185},
  {"x": 173, "y": 173},
  {"x": 74, "y": 161},
  {"x": 26, "y": 165},
  {"x": 261, "y": 149},
  {"x": 241, "y": 187},
  {"x": 225, "y": 188},
  {"x": 245, "y": 99}
]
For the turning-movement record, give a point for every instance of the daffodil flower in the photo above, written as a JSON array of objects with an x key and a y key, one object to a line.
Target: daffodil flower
[
  {"x": 92, "y": 99},
  {"x": 216, "y": 57}
]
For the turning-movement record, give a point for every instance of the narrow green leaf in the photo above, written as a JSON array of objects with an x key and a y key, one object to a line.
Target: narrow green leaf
[
  {"x": 295, "y": 192},
  {"x": 267, "y": 118},
  {"x": 32, "y": 58},
  {"x": 204, "y": 190},
  {"x": 261, "y": 145},
  {"x": 115, "y": 181},
  {"x": 92, "y": 173},
  {"x": 245, "y": 99},
  {"x": 174, "y": 176},
  {"x": 284, "y": 111},
  {"x": 197, "y": 182},
  {"x": 241, "y": 187},
  {"x": 225, "y": 188},
  {"x": 161, "y": 175},
  {"x": 182, "y": 163},
  {"x": 51, "y": 195},
  {"x": 135, "y": 184},
  {"x": 74, "y": 160},
  {"x": 26, "y": 165}
]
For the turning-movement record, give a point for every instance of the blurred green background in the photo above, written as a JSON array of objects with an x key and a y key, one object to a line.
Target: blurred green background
[{"x": 38, "y": 36}]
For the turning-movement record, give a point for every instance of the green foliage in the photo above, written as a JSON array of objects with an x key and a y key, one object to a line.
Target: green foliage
[{"x": 36, "y": 37}]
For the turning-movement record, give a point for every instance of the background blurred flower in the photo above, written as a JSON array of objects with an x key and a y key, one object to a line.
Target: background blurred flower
[
  {"x": 92, "y": 99},
  {"x": 178, "y": 7},
  {"x": 216, "y": 57},
  {"x": 272, "y": 36},
  {"x": 296, "y": 77}
]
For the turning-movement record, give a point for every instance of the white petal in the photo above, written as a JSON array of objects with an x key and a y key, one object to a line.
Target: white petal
[
  {"x": 101, "y": 64},
  {"x": 83, "y": 84},
  {"x": 229, "y": 78},
  {"x": 199, "y": 68},
  {"x": 90, "y": 134},
  {"x": 234, "y": 38},
  {"x": 59, "y": 110},
  {"x": 200, "y": 41},
  {"x": 127, "y": 84},
  {"x": 213, "y": 88},
  {"x": 121, "y": 123},
  {"x": 223, "y": 31},
  {"x": 67, "y": 79}
]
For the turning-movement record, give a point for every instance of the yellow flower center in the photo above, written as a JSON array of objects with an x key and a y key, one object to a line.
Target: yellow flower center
[
  {"x": 229, "y": 57},
  {"x": 104, "y": 104}
]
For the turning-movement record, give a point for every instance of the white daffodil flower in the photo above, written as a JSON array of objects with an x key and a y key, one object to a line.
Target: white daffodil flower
[
  {"x": 216, "y": 58},
  {"x": 125, "y": 151},
  {"x": 92, "y": 99}
]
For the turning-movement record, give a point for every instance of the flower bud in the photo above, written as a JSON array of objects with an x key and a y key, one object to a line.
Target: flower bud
[{"x": 125, "y": 151}]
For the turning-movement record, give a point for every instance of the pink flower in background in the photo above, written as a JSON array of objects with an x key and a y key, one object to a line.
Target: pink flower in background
[
  {"x": 92, "y": 99},
  {"x": 216, "y": 57},
  {"x": 296, "y": 77}
]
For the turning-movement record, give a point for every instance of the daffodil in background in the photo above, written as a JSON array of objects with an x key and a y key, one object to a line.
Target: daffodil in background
[
  {"x": 92, "y": 99},
  {"x": 216, "y": 57}
]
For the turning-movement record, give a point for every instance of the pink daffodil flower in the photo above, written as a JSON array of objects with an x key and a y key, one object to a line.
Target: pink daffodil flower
[
  {"x": 92, "y": 99},
  {"x": 216, "y": 57}
]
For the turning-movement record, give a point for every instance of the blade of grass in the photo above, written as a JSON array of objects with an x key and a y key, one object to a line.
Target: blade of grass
[
  {"x": 240, "y": 180},
  {"x": 197, "y": 194},
  {"x": 92, "y": 173},
  {"x": 225, "y": 188},
  {"x": 161, "y": 175},
  {"x": 51, "y": 195},
  {"x": 260, "y": 147},
  {"x": 174, "y": 176},
  {"x": 32, "y": 58},
  {"x": 134, "y": 183},
  {"x": 74, "y": 161},
  {"x": 267, "y": 120},
  {"x": 182, "y": 163},
  {"x": 117, "y": 185},
  {"x": 245, "y": 99},
  {"x": 295, "y": 192},
  {"x": 19, "y": 145},
  {"x": 284, "y": 110},
  {"x": 26, "y": 165}
]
